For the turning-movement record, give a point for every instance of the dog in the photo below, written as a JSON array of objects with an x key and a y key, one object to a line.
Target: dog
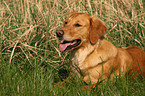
[{"x": 95, "y": 57}]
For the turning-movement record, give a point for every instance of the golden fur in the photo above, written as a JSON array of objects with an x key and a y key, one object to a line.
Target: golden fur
[{"x": 95, "y": 56}]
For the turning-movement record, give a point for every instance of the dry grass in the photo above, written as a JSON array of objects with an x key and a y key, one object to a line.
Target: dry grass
[{"x": 27, "y": 27}]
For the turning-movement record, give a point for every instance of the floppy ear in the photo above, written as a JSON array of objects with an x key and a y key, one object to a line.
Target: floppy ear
[{"x": 97, "y": 29}]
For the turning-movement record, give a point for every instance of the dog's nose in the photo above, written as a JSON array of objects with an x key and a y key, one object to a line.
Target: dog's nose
[{"x": 60, "y": 34}]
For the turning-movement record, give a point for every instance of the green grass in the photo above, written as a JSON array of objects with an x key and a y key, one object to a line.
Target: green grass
[{"x": 30, "y": 58}]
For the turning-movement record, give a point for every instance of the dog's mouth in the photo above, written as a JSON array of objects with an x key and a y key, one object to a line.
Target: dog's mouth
[{"x": 69, "y": 45}]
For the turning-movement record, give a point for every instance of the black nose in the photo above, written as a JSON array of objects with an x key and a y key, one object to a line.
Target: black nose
[{"x": 60, "y": 34}]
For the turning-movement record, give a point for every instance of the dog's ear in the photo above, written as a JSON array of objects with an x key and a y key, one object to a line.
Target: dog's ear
[{"x": 97, "y": 29}]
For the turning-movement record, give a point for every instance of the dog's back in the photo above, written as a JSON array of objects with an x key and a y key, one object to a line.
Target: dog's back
[{"x": 138, "y": 56}]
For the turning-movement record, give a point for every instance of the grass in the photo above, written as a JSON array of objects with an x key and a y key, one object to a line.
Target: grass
[{"x": 31, "y": 62}]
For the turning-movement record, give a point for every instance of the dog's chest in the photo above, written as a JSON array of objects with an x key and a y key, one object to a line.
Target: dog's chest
[
  {"x": 80, "y": 55},
  {"x": 77, "y": 60}
]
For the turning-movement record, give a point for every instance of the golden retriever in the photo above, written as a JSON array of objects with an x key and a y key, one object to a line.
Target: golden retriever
[{"x": 96, "y": 57}]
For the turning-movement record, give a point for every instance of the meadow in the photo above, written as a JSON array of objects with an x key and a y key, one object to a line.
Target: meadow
[{"x": 31, "y": 63}]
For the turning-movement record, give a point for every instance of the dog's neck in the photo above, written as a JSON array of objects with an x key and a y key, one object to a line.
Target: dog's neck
[{"x": 80, "y": 54}]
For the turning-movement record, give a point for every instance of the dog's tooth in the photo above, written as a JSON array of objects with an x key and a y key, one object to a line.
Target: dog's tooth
[{"x": 61, "y": 41}]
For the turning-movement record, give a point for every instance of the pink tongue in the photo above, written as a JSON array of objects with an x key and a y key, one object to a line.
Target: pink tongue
[{"x": 62, "y": 47}]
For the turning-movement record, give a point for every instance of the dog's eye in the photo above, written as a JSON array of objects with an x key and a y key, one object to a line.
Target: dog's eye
[
  {"x": 78, "y": 25},
  {"x": 65, "y": 23}
]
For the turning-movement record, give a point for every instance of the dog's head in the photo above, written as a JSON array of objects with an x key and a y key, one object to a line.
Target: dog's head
[{"x": 78, "y": 30}]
